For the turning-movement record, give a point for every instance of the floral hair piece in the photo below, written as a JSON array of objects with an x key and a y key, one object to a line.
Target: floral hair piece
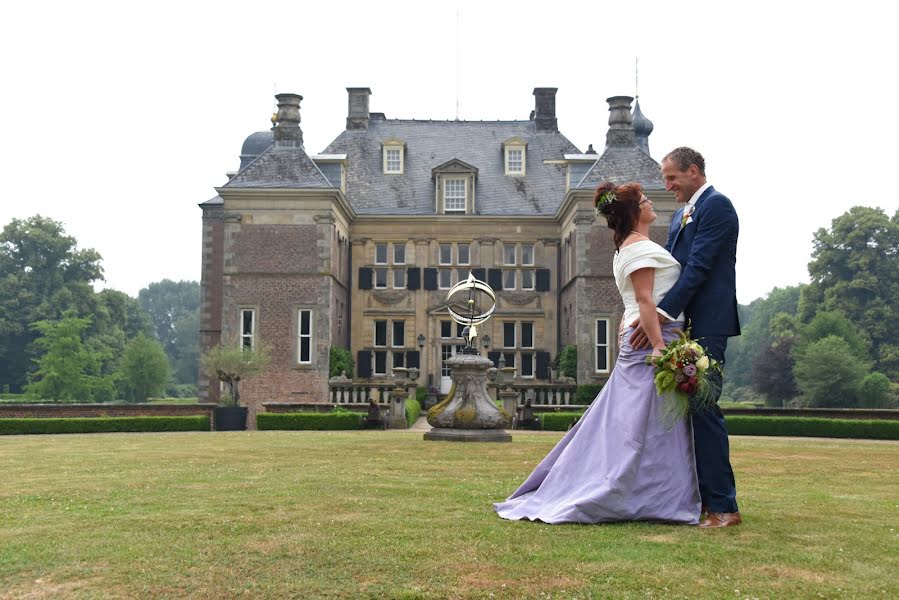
[{"x": 605, "y": 199}]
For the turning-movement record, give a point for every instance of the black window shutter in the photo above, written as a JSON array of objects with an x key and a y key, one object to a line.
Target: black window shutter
[
  {"x": 412, "y": 359},
  {"x": 542, "y": 280},
  {"x": 430, "y": 278},
  {"x": 413, "y": 278},
  {"x": 479, "y": 273},
  {"x": 495, "y": 279},
  {"x": 363, "y": 363},
  {"x": 542, "y": 365},
  {"x": 365, "y": 278},
  {"x": 494, "y": 356}
]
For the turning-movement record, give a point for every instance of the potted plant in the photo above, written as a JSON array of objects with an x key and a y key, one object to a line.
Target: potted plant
[{"x": 231, "y": 364}]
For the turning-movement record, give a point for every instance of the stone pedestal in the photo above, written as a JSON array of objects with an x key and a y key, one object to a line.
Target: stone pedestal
[
  {"x": 396, "y": 415},
  {"x": 468, "y": 413},
  {"x": 509, "y": 398}
]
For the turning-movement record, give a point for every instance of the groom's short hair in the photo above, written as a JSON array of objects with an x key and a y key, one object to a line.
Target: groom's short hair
[{"x": 683, "y": 157}]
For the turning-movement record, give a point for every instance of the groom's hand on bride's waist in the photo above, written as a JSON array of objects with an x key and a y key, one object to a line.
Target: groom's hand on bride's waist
[{"x": 639, "y": 339}]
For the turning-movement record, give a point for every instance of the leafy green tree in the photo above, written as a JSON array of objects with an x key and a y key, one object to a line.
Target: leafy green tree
[
  {"x": 231, "y": 364},
  {"x": 145, "y": 369},
  {"x": 854, "y": 271},
  {"x": 340, "y": 360},
  {"x": 67, "y": 371},
  {"x": 826, "y": 323},
  {"x": 874, "y": 391},
  {"x": 174, "y": 310},
  {"x": 829, "y": 374},
  {"x": 568, "y": 361},
  {"x": 42, "y": 274},
  {"x": 757, "y": 337}
]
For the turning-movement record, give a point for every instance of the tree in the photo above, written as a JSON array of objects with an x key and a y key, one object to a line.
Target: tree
[
  {"x": 874, "y": 391},
  {"x": 568, "y": 361},
  {"x": 772, "y": 373},
  {"x": 827, "y": 323},
  {"x": 853, "y": 271},
  {"x": 174, "y": 310},
  {"x": 42, "y": 274},
  {"x": 829, "y": 373},
  {"x": 144, "y": 370},
  {"x": 231, "y": 364},
  {"x": 67, "y": 371}
]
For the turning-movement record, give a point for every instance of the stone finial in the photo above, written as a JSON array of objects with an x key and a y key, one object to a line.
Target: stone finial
[
  {"x": 621, "y": 128},
  {"x": 287, "y": 130}
]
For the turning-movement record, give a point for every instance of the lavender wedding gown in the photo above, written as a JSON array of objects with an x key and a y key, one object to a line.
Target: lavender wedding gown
[{"x": 623, "y": 460}]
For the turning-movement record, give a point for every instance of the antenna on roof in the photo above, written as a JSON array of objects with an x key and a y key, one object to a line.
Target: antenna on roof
[
  {"x": 637, "y": 77},
  {"x": 457, "y": 65}
]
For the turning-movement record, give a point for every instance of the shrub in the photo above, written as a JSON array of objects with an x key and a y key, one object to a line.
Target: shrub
[
  {"x": 568, "y": 361},
  {"x": 340, "y": 360},
  {"x": 181, "y": 390},
  {"x": 874, "y": 391},
  {"x": 103, "y": 424},
  {"x": 309, "y": 421},
  {"x": 558, "y": 421},
  {"x": 874, "y": 429},
  {"x": 586, "y": 393},
  {"x": 413, "y": 411}
]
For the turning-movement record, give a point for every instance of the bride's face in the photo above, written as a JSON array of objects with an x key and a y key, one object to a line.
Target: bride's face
[{"x": 647, "y": 214}]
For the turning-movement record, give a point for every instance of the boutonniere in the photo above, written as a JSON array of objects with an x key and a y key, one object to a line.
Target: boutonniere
[{"x": 685, "y": 218}]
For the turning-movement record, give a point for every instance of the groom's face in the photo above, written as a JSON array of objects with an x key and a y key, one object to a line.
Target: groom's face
[{"x": 683, "y": 183}]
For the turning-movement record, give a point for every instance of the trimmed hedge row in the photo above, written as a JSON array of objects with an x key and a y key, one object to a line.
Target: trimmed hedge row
[
  {"x": 413, "y": 411},
  {"x": 102, "y": 424},
  {"x": 557, "y": 421},
  {"x": 813, "y": 427},
  {"x": 309, "y": 421}
]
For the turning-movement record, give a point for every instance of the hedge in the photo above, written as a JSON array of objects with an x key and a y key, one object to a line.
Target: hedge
[
  {"x": 557, "y": 421},
  {"x": 102, "y": 424},
  {"x": 413, "y": 411},
  {"x": 813, "y": 427},
  {"x": 309, "y": 420},
  {"x": 586, "y": 393}
]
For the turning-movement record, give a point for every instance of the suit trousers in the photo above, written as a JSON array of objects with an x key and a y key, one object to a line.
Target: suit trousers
[{"x": 717, "y": 486}]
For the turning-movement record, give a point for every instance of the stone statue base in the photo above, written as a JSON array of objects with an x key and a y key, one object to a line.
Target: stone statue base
[{"x": 441, "y": 434}]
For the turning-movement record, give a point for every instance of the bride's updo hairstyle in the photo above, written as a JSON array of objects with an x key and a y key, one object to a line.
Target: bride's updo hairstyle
[{"x": 620, "y": 205}]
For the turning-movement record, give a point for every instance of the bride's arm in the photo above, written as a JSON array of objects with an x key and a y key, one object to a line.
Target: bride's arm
[{"x": 643, "y": 280}]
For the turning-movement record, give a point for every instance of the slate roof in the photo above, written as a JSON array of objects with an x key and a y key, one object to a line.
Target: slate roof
[
  {"x": 280, "y": 167},
  {"x": 621, "y": 164},
  {"x": 433, "y": 143}
]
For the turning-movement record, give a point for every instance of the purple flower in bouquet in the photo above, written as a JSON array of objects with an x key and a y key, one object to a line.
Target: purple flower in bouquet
[{"x": 690, "y": 370}]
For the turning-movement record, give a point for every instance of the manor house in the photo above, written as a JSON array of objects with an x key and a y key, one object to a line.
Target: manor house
[{"x": 357, "y": 246}]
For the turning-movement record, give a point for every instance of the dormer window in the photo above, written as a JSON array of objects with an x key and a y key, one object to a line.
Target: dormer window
[
  {"x": 394, "y": 156},
  {"x": 454, "y": 187},
  {"x": 515, "y": 156}
]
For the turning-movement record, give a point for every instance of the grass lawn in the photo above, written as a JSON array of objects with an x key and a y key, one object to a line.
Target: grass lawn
[{"x": 385, "y": 514}]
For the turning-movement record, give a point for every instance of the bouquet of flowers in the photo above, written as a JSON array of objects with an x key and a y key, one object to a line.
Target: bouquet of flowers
[{"x": 681, "y": 373}]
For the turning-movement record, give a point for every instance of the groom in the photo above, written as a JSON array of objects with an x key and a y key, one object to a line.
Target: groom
[{"x": 703, "y": 239}]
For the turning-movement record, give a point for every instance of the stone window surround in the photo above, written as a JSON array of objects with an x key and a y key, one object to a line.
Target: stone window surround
[
  {"x": 310, "y": 336},
  {"x": 251, "y": 336},
  {"x": 390, "y": 146},
  {"x": 601, "y": 346},
  {"x": 515, "y": 144}
]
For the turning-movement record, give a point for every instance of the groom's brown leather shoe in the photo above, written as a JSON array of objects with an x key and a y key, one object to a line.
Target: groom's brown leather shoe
[{"x": 716, "y": 519}]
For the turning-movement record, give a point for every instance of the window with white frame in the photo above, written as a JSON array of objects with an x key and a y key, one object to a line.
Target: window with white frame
[
  {"x": 304, "y": 337},
  {"x": 602, "y": 345},
  {"x": 399, "y": 254},
  {"x": 509, "y": 334},
  {"x": 527, "y": 254},
  {"x": 399, "y": 334},
  {"x": 380, "y": 333},
  {"x": 527, "y": 279},
  {"x": 446, "y": 329},
  {"x": 247, "y": 328},
  {"x": 380, "y": 254},
  {"x": 464, "y": 254},
  {"x": 393, "y": 161},
  {"x": 444, "y": 279},
  {"x": 454, "y": 195},
  {"x": 399, "y": 359},
  {"x": 527, "y": 365},
  {"x": 527, "y": 334},
  {"x": 399, "y": 278},
  {"x": 380, "y": 277},
  {"x": 508, "y": 279},
  {"x": 514, "y": 161},
  {"x": 509, "y": 254},
  {"x": 445, "y": 254}
]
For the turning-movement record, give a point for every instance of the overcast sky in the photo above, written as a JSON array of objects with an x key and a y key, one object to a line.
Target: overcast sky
[{"x": 118, "y": 118}]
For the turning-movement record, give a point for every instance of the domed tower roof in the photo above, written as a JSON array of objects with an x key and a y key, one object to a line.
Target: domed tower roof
[
  {"x": 255, "y": 145},
  {"x": 642, "y": 128}
]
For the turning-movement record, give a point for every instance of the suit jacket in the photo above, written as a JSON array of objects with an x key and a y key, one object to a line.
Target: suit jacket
[{"x": 706, "y": 248}]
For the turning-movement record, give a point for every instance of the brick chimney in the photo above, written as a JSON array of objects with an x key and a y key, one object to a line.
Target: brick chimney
[
  {"x": 358, "y": 115},
  {"x": 545, "y": 109},
  {"x": 287, "y": 130},
  {"x": 621, "y": 128}
]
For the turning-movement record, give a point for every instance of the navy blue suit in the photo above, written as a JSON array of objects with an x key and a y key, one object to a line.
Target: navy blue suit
[{"x": 706, "y": 249}]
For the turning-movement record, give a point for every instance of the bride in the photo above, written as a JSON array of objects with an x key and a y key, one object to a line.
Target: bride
[{"x": 622, "y": 461}]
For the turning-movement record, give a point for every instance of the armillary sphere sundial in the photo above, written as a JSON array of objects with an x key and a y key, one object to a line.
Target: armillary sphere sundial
[{"x": 468, "y": 413}]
